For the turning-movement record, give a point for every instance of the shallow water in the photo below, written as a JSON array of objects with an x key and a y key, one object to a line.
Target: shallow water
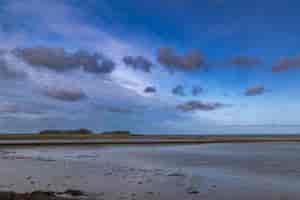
[{"x": 268, "y": 166}]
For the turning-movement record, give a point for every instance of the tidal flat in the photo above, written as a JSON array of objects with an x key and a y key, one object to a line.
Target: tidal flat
[{"x": 227, "y": 171}]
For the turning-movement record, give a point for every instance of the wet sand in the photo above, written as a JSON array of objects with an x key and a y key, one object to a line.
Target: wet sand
[{"x": 207, "y": 171}]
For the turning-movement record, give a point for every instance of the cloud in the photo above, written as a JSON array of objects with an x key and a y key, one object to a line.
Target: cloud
[
  {"x": 8, "y": 108},
  {"x": 20, "y": 108},
  {"x": 65, "y": 94},
  {"x": 286, "y": 63},
  {"x": 196, "y": 90},
  {"x": 138, "y": 63},
  {"x": 119, "y": 110},
  {"x": 192, "y": 59},
  {"x": 7, "y": 71},
  {"x": 113, "y": 108},
  {"x": 199, "y": 106},
  {"x": 150, "y": 89},
  {"x": 245, "y": 61},
  {"x": 61, "y": 25},
  {"x": 178, "y": 90},
  {"x": 59, "y": 60},
  {"x": 255, "y": 90}
]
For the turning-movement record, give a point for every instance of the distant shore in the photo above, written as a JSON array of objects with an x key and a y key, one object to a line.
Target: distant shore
[{"x": 102, "y": 139}]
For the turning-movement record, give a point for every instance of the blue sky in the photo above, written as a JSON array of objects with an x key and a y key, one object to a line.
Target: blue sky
[{"x": 211, "y": 66}]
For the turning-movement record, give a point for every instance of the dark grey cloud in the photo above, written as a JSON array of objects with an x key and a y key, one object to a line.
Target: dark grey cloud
[
  {"x": 178, "y": 90},
  {"x": 119, "y": 110},
  {"x": 246, "y": 61},
  {"x": 138, "y": 63},
  {"x": 255, "y": 90},
  {"x": 150, "y": 89},
  {"x": 192, "y": 59},
  {"x": 196, "y": 90},
  {"x": 65, "y": 94},
  {"x": 199, "y": 106},
  {"x": 286, "y": 63},
  {"x": 60, "y": 60}
]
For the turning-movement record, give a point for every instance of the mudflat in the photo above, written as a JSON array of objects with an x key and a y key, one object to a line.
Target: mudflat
[{"x": 227, "y": 171}]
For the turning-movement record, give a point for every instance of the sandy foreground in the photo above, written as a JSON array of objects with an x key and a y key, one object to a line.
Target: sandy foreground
[
  {"x": 98, "y": 181},
  {"x": 113, "y": 180}
]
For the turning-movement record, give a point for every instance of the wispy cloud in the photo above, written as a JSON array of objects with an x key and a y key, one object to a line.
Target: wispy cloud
[
  {"x": 8, "y": 108},
  {"x": 65, "y": 94},
  {"x": 7, "y": 71}
]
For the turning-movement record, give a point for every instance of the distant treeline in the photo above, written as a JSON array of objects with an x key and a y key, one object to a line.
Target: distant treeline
[
  {"x": 117, "y": 132},
  {"x": 71, "y": 132},
  {"x": 81, "y": 132}
]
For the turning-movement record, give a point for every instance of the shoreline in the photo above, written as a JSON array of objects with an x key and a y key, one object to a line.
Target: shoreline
[{"x": 143, "y": 140}]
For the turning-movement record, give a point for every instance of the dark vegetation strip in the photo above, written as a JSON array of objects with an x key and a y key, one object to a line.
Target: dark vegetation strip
[
  {"x": 85, "y": 137},
  {"x": 143, "y": 142}
]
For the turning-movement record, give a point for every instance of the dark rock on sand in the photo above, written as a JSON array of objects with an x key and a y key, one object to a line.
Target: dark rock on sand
[
  {"x": 7, "y": 195},
  {"x": 176, "y": 174},
  {"x": 38, "y": 195},
  {"x": 74, "y": 192},
  {"x": 192, "y": 191},
  {"x": 150, "y": 193}
]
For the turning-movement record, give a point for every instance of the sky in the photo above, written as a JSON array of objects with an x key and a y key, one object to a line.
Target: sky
[{"x": 153, "y": 67}]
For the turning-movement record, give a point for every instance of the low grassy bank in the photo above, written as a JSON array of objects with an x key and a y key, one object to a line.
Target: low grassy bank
[{"x": 132, "y": 138}]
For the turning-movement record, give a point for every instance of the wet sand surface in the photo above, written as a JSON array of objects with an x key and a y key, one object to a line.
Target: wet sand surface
[{"x": 206, "y": 171}]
